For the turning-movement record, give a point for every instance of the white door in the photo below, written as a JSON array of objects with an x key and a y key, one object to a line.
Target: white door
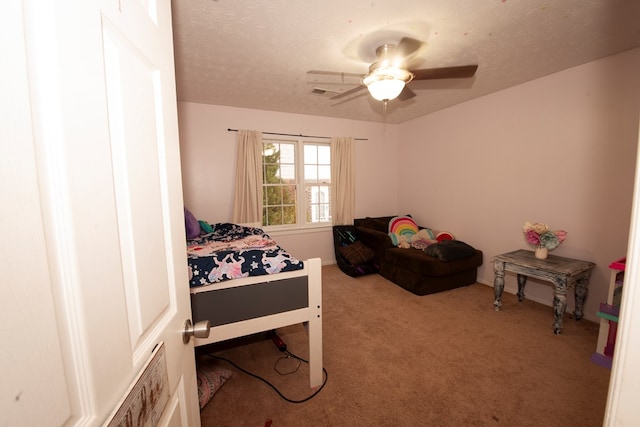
[{"x": 92, "y": 257}]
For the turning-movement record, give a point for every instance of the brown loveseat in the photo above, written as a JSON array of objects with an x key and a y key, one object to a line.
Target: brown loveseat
[{"x": 413, "y": 269}]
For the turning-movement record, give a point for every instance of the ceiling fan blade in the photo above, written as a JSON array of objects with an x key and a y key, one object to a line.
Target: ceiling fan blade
[
  {"x": 329, "y": 82},
  {"x": 334, "y": 73},
  {"x": 406, "y": 94},
  {"x": 349, "y": 92},
  {"x": 323, "y": 90},
  {"x": 408, "y": 46},
  {"x": 458, "y": 72}
]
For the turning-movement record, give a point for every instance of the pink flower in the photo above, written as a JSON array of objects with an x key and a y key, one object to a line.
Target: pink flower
[
  {"x": 532, "y": 237},
  {"x": 561, "y": 235}
]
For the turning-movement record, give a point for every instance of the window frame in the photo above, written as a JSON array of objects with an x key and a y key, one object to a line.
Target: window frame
[{"x": 302, "y": 203}]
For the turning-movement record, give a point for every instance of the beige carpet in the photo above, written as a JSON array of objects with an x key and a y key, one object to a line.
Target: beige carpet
[{"x": 397, "y": 359}]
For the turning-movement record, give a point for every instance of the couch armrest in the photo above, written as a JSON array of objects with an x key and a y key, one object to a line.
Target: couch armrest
[{"x": 376, "y": 240}]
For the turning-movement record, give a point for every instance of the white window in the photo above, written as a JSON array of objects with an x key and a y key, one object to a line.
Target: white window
[{"x": 296, "y": 183}]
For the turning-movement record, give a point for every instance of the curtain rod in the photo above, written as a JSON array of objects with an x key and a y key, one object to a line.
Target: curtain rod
[{"x": 301, "y": 136}]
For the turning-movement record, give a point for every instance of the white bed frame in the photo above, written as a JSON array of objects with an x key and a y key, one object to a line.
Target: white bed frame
[{"x": 311, "y": 314}]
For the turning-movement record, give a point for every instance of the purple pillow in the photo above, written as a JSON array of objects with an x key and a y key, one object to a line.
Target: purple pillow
[{"x": 191, "y": 224}]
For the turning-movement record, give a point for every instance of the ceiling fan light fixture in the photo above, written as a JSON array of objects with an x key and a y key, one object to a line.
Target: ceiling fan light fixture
[
  {"x": 386, "y": 84},
  {"x": 387, "y": 89}
]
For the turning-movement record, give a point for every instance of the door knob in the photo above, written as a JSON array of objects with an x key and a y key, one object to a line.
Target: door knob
[{"x": 199, "y": 330}]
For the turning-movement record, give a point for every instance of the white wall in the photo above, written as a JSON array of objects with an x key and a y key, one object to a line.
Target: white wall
[
  {"x": 208, "y": 153},
  {"x": 559, "y": 150}
]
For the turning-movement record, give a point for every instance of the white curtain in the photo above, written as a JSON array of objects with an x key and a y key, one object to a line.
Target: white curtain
[
  {"x": 342, "y": 181},
  {"x": 247, "y": 203}
]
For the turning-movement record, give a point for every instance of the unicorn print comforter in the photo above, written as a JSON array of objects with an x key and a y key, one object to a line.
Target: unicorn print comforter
[{"x": 232, "y": 251}]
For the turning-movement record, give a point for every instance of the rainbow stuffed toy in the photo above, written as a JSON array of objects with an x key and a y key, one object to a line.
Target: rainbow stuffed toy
[
  {"x": 401, "y": 231},
  {"x": 405, "y": 233}
]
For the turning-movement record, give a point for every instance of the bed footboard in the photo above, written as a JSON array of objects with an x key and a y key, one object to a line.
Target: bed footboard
[{"x": 247, "y": 306}]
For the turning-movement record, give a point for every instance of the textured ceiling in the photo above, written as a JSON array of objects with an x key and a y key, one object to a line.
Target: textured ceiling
[{"x": 256, "y": 53}]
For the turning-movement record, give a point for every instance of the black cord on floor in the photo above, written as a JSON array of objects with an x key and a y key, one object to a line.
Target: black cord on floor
[
  {"x": 289, "y": 354},
  {"x": 278, "y": 369}
]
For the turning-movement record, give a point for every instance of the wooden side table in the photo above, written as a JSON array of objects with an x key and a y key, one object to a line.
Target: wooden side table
[{"x": 564, "y": 273}]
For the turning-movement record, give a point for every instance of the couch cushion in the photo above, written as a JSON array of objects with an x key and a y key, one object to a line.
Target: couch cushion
[
  {"x": 424, "y": 265},
  {"x": 449, "y": 250},
  {"x": 379, "y": 223}
]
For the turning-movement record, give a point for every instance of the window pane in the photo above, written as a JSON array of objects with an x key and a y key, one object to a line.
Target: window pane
[
  {"x": 274, "y": 195},
  {"x": 289, "y": 195},
  {"x": 312, "y": 191},
  {"x": 310, "y": 173},
  {"x": 324, "y": 155},
  {"x": 288, "y": 173},
  {"x": 324, "y": 173},
  {"x": 288, "y": 153},
  {"x": 312, "y": 214},
  {"x": 310, "y": 154},
  {"x": 268, "y": 149},
  {"x": 323, "y": 196},
  {"x": 274, "y": 216},
  {"x": 270, "y": 162},
  {"x": 270, "y": 174},
  {"x": 325, "y": 213},
  {"x": 289, "y": 215},
  {"x": 318, "y": 197}
]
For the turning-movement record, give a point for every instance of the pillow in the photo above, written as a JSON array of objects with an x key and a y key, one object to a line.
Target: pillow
[
  {"x": 423, "y": 238},
  {"x": 402, "y": 226},
  {"x": 444, "y": 235},
  {"x": 210, "y": 378},
  {"x": 357, "y": 253},
  {"x": 205, "y": 227},
  {"x": 449, "y": 250},
  {"x": 191, "y": 224}
]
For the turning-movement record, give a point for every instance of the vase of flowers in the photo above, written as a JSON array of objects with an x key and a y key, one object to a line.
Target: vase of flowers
[{"x": 542, "y": 238}]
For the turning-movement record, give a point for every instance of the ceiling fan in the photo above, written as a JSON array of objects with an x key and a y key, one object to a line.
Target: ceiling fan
[{"x": 389, "y": 75}]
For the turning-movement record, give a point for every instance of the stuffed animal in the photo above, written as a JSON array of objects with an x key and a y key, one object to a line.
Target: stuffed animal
[
  {"x": 404, "y": 241},
  {"x": 424, "y": 234},
  {"x": 401, "y": 240},
  {"x": 423, "y": 238}
]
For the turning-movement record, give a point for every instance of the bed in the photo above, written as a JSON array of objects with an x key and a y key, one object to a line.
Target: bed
[{"x": 244, "y": 283}]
